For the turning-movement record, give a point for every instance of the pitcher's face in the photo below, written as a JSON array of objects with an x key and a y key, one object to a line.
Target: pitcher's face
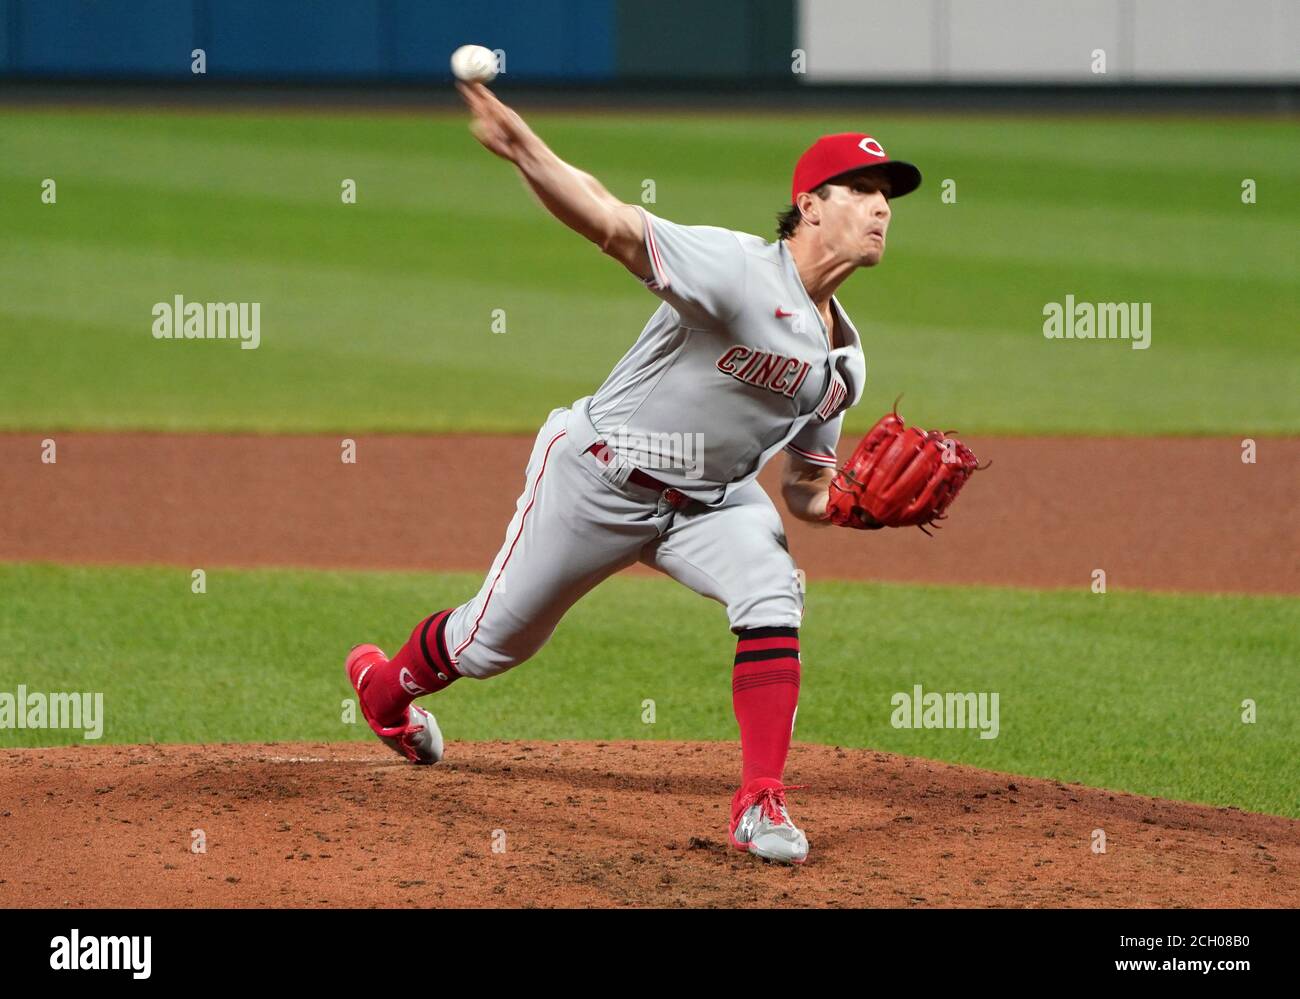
[{"x": 855, "y": 218}]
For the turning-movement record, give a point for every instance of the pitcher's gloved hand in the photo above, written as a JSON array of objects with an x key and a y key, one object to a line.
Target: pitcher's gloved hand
[{"x": 899, "y": 476}]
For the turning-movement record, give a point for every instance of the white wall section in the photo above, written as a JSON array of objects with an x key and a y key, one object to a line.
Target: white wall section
[{"x": 1051, "y": 41}]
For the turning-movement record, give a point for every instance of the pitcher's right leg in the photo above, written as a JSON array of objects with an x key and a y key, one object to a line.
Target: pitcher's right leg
[{"x": 736, "y": 553}]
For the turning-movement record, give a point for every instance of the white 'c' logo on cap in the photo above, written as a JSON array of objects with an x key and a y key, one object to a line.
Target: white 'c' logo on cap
[{"x": 870, "y": 145}]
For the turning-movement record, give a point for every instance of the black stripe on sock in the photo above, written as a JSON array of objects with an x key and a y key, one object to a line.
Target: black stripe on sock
[
  {"x": 747, "y": 677},
  {"x": 441, "y": 639},
  {"x": 765, "y": 654},
  {"x": 785, "y": 676},
  {"x": 424, "y": 645},
  {"x": 767, "y": 633}
]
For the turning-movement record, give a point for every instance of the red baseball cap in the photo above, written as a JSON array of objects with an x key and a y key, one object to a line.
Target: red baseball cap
[{"x": 833, "y": 155}]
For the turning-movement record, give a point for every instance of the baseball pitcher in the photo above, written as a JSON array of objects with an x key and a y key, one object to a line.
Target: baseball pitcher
[{"x": 748, "y": 354}]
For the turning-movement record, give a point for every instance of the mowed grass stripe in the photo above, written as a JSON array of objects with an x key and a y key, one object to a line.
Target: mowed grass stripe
[
  {"x": 402, "y": 287},
  {"x": 1151, "y": 156},
  {"x": 431, "y": 356},
  {"x": 1127, "y": 690},
  {"x": 1059, "y": 208}
]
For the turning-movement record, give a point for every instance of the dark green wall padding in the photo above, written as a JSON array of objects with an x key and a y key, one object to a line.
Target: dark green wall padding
[{"x": 688, "y": 39}]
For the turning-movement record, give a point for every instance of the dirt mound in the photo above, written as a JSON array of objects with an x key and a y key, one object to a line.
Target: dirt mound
[
  {"x": 1162, "y": 514},
  {"x": 582, "y": 824}
]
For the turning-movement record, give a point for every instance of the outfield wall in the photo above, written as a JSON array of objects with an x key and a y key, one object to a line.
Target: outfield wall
[
  {"x": 393, "y": 40},
  {"x": 607, "y": 42},
  {"x": 1022, "y": 41}
]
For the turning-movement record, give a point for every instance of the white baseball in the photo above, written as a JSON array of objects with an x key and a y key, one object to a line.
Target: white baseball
[{"x": 474, "y": 64}]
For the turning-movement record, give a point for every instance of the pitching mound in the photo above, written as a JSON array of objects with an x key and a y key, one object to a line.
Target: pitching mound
[{"x": 583, "y": 824}]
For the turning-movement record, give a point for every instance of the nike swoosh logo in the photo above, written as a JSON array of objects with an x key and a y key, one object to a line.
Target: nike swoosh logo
[{"x": 362, "y": 678}]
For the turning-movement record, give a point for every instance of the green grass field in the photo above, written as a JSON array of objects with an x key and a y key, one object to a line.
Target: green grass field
[
  {"x": 1127, "y": 690},
  {"x": 377, "y": 316}
]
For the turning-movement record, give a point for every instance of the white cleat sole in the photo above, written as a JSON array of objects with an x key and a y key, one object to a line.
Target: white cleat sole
[{"x": 427, "y": 743}]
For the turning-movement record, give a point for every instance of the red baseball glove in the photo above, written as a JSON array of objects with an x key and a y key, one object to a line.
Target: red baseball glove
[{"x": 899, "y": 477}]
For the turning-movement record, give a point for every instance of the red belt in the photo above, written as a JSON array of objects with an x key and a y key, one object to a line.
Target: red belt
[{"x": 675, "y": 497}]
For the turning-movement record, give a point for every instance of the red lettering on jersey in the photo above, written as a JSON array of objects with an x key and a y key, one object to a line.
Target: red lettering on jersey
[
  {"x": 764, "y": 369},
  {"x": 754, "y": 360},
  {"x": 830, "y": 402},
  {"x": 793, "y": 390},
  {"x": 777, "y": 384},
  {"x": 764, "y": 372},
  {"x": 727, "y": 362}
]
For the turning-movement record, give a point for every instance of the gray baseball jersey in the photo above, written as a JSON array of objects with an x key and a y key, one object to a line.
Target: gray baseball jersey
[
  {"x": 736, "y": 362},
  {"x": 734, "y": 366}
]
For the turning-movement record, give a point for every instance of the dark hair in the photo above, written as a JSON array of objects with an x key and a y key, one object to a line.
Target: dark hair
[{"x": 787, "y": 221}]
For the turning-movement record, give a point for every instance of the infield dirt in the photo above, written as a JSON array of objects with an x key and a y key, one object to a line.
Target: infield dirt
[
  {"x": 1157, "y": 514},
  {"x": 583, "y": 824}
]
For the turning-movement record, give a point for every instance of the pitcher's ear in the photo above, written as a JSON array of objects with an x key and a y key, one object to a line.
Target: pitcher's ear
[{"x": 809, "y": 209}]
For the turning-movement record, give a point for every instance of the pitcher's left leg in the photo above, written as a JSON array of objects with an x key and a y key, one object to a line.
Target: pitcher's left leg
[{"x": 737, "y": 554}]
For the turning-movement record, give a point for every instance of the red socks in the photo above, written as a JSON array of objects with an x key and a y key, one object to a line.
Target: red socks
[
  {"x": 422, "y": 666},
  {"x": 765, "y": 693}
]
